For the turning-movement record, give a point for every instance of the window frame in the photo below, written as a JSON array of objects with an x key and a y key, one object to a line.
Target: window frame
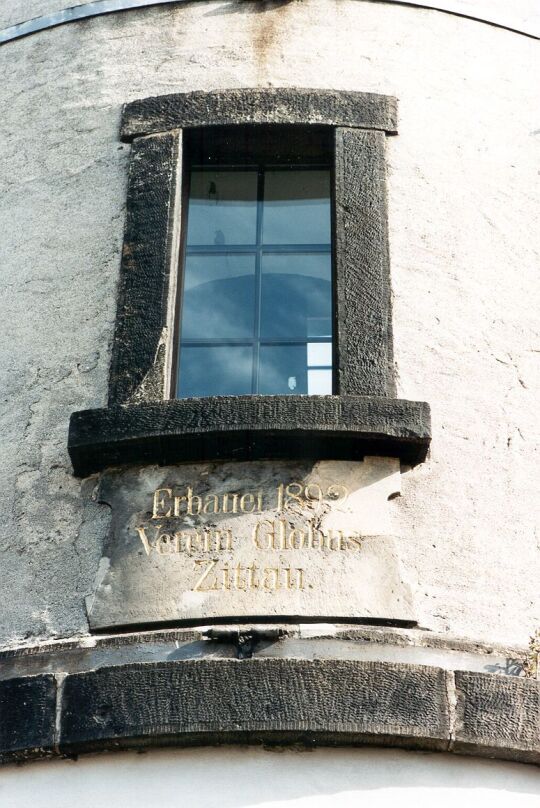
[{"x": 141, "y": 423}]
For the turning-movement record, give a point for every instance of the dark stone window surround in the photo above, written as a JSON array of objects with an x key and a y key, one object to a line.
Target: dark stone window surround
[{"x": 140, "y": 425}]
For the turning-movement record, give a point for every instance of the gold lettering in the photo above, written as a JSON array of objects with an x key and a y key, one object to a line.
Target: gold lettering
[
  {"x": 216, "y": 540},
  {"x": 198, "y": 586},
  {"x": 163, "y": 544},
  {"x": 143, "y": 537},
  {"x": 160, "y": 503},
  {"x": 247, "y": 503},
  {"x": 177, "y": 508},
  {"x": 334, "y": 541},
  {"x": 297, "y": 539},
  {"x": 196, "y": 541},
  {"x": 253, "y": 581},
  {"x": 271, "y": 579},
  {"x": 288, "y": 582},
  {"x": 184, "y": 541},
  {"x": 211, "y": 504},
  {"x": 193, "y": 500},
  {"x": 226, "y": 577},
  {"x": 229, "y": 577},
  {"x": 234, "y": 508},
  {"x": 294, "y": 496},
  {"x": 258, "y": 540},
  {"x": 298, "y": 583},
  {"x": 315, "y": 537},
  {"x": 336, "y": 492},
  {"x": 280, "y": 543},
  {"x": 313, "y": 494},
  {"x": 239, "y": 582}
]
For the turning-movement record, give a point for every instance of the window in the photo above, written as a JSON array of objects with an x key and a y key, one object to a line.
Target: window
[
  {"x": 274, "y": 339},
  {"x": 256, "y": 283}
]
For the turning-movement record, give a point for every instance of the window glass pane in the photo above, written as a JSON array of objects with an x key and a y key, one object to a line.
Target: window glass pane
[
  {"x": 219, "y": 297},
  {"x": 246, "y": 294},
  {"x": 319, "y": 354},
  {"x": 296, "y": 207},
  {"x": 223, "y": 370},
  {"x": 320, "y": 382},
  {"x": 282, "y": 370},
  {"x": 222, "y": 208},
  {"x": 296, "y": 296}
]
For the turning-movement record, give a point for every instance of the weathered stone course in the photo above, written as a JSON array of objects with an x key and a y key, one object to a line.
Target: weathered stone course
[
  {"x": 27, "y": 717},
  {"x": 270, "y": 700},
  {"x": 496, "y": 713},
  {"x": 254, "y": 696}
]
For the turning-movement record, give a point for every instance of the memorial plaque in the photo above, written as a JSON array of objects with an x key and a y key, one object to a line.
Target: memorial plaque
[{"x": 251, "y": 540}]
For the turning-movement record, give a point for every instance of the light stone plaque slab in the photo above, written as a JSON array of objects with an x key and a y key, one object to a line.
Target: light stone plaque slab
[{"x": 264, "y": 539}]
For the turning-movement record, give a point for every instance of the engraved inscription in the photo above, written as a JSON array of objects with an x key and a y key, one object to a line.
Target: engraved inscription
[
  {"x": 262, "y": 539},
  {"x": 241, "y": 578},
  {"x": 167, "y": 503},
  {"x": 169, "y": 506}
]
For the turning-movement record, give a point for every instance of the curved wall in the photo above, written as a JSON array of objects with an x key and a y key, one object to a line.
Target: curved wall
[
  {"x": 463, "y": 208},
  {"x": 522, "y": 16},
  {"x": 318, "y": 779}
]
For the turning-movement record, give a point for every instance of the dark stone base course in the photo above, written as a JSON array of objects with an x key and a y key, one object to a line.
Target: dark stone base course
[
  {"x": 249, "y": 428},
  {"x": 492, "y": 711},
  {"x": 27, "y": 717},
  {"x": 270, "y": 701},
  {"x": 254, "y": 696}
]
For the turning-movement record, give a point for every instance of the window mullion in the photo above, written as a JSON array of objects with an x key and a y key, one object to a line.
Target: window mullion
[{"x": 258, "y": 281}]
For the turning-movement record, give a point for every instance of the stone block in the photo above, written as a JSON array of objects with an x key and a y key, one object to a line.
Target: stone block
[
  {"x": 498, "y": 716},
  {"x": 219, "y": 701},
  {"x": 27, "y": 716}
]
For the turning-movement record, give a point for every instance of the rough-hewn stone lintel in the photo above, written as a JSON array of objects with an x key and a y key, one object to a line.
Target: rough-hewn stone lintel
[{"x": 259, "y": 106}]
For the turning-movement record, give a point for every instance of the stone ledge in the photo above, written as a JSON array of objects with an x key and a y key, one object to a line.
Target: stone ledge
[
  {"x": 363, "y": 643},
  {"x": 352, "y": 633},
  {"x": 259, "y": 106},
  {"x": 316, "y": 702},
  {"x": 249, "y": 428}
]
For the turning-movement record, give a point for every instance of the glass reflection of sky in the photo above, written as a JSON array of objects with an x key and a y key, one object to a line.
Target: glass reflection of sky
[
  {"x": 217, "y": 370},
  {"x": 296, "y": 207},
  {"x": 222, "y": 208},
  {"x": 295, "y": 290},
  {"x": 257, "y": 290},
  {"x": 219, "y": 297}
]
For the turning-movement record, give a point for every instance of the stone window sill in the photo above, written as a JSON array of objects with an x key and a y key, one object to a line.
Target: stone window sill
[{"x": 249, "y": 428}]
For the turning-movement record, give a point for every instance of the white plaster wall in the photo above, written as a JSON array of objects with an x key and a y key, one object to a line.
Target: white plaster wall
[
  {"x": 245, "y": 778},
  {"x": 521, "y": 15},
  {"x": 463, "y": 211}
]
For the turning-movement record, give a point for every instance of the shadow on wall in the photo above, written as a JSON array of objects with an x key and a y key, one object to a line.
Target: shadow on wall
[{"x": 248, "y": 6}]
